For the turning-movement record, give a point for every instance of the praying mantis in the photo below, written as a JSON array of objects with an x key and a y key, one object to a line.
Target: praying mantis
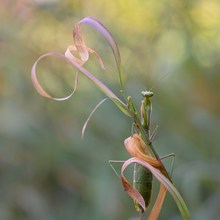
[
  {"x": 142, "y": 177},
  {"x": 139, "y": 144}
]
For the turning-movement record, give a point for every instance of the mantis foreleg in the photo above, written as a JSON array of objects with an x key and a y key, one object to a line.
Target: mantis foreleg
[{"x": 172, "y": 163}]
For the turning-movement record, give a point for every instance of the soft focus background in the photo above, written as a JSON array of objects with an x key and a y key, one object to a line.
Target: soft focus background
[{"x": 47, "y": 171}]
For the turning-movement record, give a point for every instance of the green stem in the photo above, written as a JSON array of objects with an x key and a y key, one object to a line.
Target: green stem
[{"x": 149, "y": 145}]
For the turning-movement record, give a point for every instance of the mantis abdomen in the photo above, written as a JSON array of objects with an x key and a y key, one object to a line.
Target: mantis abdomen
[{"x": 142, "y": 182}]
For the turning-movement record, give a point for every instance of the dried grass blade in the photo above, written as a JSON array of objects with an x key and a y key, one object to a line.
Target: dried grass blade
[
  {"x": 158, "y": 204},
  {"x": 37, "y": 84},
  {"x": 133, "y": 193},
  {"x": 93, "y": 111},
  {"x": 81, "y": 47},
  {"x": 122, "y": 106}
]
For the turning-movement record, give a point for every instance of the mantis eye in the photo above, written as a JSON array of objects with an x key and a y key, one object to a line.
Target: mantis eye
[{"x": 147, "y": 93}]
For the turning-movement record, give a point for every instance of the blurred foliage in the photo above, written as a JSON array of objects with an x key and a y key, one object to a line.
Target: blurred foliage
[{"x": 47, "y": 172}]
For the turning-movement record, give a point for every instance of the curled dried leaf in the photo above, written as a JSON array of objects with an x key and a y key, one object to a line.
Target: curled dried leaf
[
  {"x": 77, "y": 63},
  {"x": 136, "y": 147},
  {"x": 81, "y": 47},
  {"x": 70, "y": 55},
  {"x": 72, "y": 49},
  {"x": 133, "y": 193},
  {"x": 37, "y": 84},
  {"x": 80, "y": 43}
]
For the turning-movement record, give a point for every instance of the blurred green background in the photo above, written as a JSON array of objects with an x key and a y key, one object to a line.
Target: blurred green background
[{"x": 47, "y": 171}]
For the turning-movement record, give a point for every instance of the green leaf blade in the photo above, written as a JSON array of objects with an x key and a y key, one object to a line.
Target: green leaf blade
[{"x": 165, "y": 181}]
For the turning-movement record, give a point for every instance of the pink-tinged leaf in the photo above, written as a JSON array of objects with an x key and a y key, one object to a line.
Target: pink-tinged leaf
[
  {"x": 122, "y": 106},
  {"x": 93, "y": 111},
  {"x": 70, "y": 56},
  {"x": 158, "y": 204},
  {"x": 137, "y": 148},
  {"x": 163, "y": 180},
  {"x": 38, "y": 86},
  {"x": 82, "y": 49},
  {"x": 133, "y": 193},
  {"x": 80, "y": 43},
  {"x": 98, "y": 57},
  {"x": 73, "y": 48}
]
